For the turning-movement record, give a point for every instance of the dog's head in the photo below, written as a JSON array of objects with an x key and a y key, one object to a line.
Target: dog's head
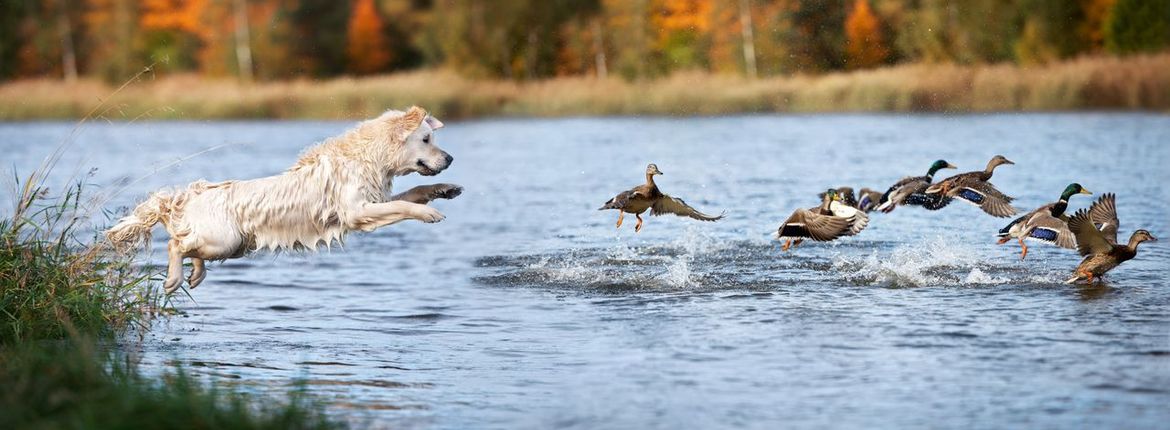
[{"x": 419, "y": 152}]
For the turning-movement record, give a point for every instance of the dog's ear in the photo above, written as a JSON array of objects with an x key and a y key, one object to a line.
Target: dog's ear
[
  {"x": 434, "y": 122},
  {"x": 410, "y": 121}
]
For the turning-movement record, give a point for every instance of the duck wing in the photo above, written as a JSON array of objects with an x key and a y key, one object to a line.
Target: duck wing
[
  {"x": 673, "y": 205},
  {"x": 1103, "y": 214},
  {"x": 857, "y": 219},
  {"x": 1043, "y": 226},
  {"x": 955, "y": 181},
  {"x": 1090, "y": 240},
  {"x": 900, "y": 191},
  {"x": 623, "y": 199},
  {"x": 1018, "y": 226},
  {"x": 810, "y": 224},
  {"x": 868, "y": 200},
  {"x": 986, "y": 196}
]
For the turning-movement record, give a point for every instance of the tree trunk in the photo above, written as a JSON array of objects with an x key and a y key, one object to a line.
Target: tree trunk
[
  {"x": 749, "y": 44},
  {"x": 599, "y": 50},
  {"x": 68, "y": 55},
  {"x": 243, "y": 42}
]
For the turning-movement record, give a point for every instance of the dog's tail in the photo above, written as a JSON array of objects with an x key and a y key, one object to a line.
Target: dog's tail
[{"x": 133, "y": 230}]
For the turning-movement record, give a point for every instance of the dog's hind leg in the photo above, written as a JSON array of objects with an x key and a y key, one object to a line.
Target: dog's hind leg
[
  {"x": 198, "y": 272},
  {"x": 174, "y": 267}
]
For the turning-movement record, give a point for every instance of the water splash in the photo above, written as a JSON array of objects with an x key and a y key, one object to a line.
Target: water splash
[{"x": 938, "y": 261}]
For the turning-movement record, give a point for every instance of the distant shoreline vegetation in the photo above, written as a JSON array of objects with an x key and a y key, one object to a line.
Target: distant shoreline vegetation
[{"x": 1138, "y": 82}]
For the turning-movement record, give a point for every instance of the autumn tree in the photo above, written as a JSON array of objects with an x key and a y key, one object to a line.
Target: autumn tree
[
  {"x": 681, "y": 26},
  {"x": 864, "y": 42},
  {"x": 1092, "y": 27},
  {"x": 366, "y": 48},
  {"x": 817, "y": 39},
  {"x": 110, "y": 39}
]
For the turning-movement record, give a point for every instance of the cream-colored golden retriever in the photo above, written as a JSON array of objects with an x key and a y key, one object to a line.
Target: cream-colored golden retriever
[{"x": 335, "y": 187}]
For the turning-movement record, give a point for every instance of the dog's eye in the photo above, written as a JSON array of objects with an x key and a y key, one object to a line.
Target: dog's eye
[{"x": 427, "y": 139}]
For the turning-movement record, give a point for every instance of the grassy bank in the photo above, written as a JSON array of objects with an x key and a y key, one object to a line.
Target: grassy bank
[
  {"x": 64, "y": 303},
  {"x": 1130, "y": 83}
]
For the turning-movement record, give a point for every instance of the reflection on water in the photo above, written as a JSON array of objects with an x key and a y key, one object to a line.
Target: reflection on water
[{"x": 526, "y": 308}]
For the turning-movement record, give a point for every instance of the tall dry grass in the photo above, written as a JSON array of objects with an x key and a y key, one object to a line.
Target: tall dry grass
[{"x": 1111, "y": 83}]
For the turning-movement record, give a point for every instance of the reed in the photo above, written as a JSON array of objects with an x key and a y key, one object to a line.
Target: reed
[
  {"x": 76, "y": 384},
  {"x": 53, "y": 285}
]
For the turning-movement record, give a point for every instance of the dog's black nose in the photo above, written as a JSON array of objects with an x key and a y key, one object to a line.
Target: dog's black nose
[{"x": 449, "y": 159}]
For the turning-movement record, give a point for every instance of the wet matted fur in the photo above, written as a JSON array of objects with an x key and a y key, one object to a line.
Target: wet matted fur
[{"x": 338, "y": 186}]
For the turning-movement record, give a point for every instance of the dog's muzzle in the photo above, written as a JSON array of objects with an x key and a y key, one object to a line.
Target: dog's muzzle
[{"x": 426, "y": 170}]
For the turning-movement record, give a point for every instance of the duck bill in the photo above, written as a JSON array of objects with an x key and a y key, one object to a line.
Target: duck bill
[
  {"x": 950, "y": 166},
  {"x": 1086, "y": 192}
]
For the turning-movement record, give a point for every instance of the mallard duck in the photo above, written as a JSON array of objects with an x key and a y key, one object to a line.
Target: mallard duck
[
  {"x": 973, "y": 188},
  {"x": 1096, "y": 232},
  {"x": 647, "y": 196},
  {"x": 1047, "y": 223},
  {"x": 908, "y": 191},
  {"x": 830, "y": 220},
  {"x": 868, "y": 200},
  {"x": 846, "y": 195}
]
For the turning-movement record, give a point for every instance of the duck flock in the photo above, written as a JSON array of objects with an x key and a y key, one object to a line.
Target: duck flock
[{"x": 1091, "y": 231}]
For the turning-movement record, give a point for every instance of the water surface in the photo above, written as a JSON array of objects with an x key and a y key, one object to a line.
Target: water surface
[{"x": 526, "y": 308}]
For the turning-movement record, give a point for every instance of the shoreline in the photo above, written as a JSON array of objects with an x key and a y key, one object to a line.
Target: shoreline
[{"x": 1108, "y": 84}]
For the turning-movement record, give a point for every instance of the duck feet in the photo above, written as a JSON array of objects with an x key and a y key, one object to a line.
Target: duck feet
[
  {"x": 1003, "y": 240},
  {"x": 621, "y": 215},
  {"x": 787, "y": 244},
  {"x": 1024, "y": 252},
  {"x": 638, "y": 227}
]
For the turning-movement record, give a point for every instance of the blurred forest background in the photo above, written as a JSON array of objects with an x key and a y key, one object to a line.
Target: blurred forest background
[{"x": 627, "y": 45}]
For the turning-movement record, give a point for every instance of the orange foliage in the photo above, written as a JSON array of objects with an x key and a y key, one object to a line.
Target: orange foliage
[
  {"x": 366, "y": 50},
  {"x": 864, "y": 37},
  {"x": 181, "y": 15},
  {"x": 674, "y": 15}
]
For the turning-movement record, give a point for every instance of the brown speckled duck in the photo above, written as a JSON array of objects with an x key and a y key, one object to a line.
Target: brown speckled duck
[
  {"x": 647, "y": 196},
  {"x": 1096, "y": 232}
]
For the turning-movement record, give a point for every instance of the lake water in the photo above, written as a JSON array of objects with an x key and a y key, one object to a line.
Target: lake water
[{"x": 525, "y": 308}]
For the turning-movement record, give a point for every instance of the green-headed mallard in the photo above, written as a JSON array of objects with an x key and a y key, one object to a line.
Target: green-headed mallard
[
  {"x": 830, "y": 220},
  {"x": 974, "y": 188},
  {"x": 647, "y": 196},
  {"x": 1047, "y": 223},
  {"x": 908, "y": 191},
  {"x": 1096, "y": 232},
  {"x": 846, "y": 195},
  {"x": 866, "y": 199}
]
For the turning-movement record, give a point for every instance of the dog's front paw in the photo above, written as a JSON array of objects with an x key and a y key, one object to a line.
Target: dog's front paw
[
  {"x": 445, "y": 191},
  {"x": 429, "y": 215}
]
